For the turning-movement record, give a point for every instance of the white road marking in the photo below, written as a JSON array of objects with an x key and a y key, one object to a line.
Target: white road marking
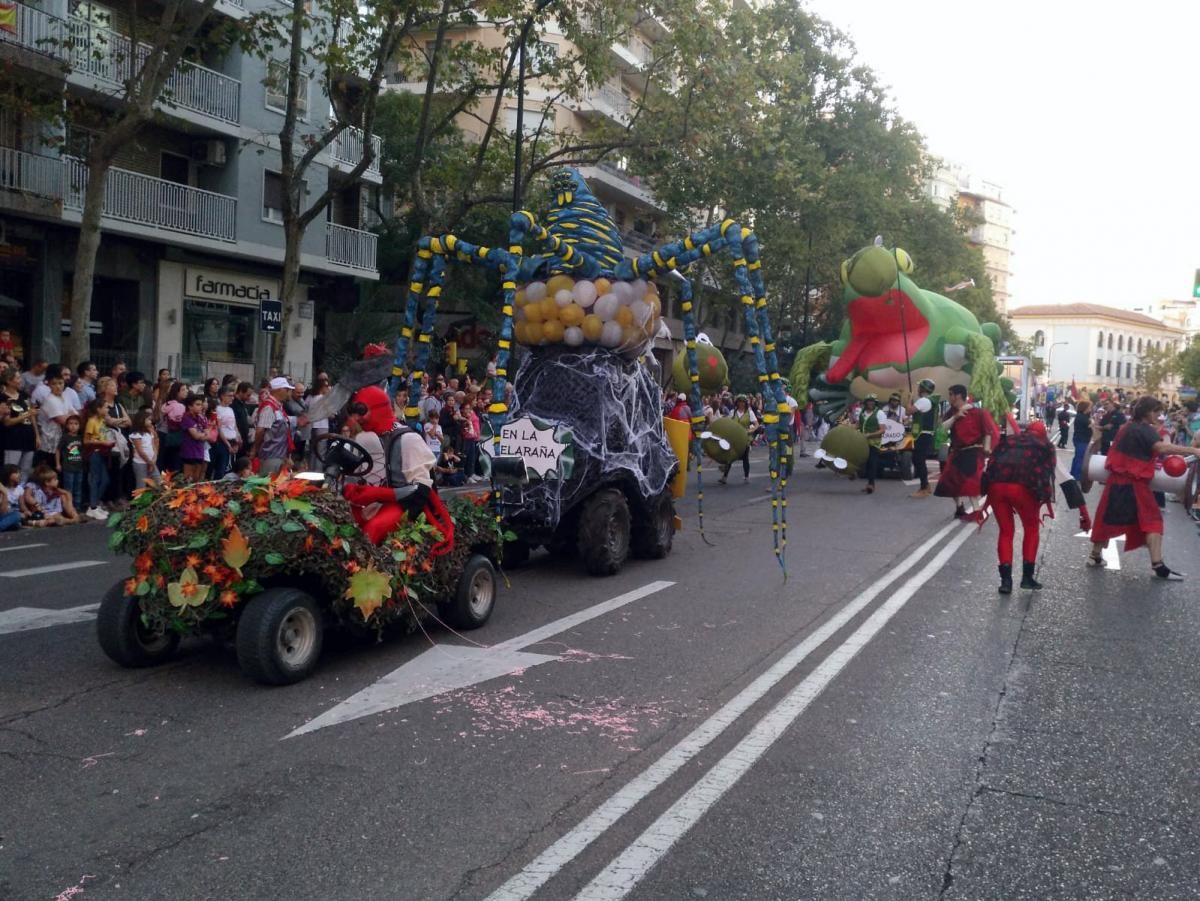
[
  {"x": 24, "y": 619},
  {"x": 547, "y": 864},
  {"x": 20, "y": 547},
  {"x": 448, "y": 667},
  {"x": 55, "y": 568},
  {"x": 620, "y": 876}
]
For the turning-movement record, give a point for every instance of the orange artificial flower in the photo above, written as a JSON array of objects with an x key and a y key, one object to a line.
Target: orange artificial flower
[
  {"x": 131, "y": 586},
  {"x": 168, "y": 532},
  {"x": 143, "y": 563},
  {"x": 180, "y": 498},
  {"x": 262, "y": 503},
  {"x": 192, "y": 518},
  {"x": 213, "y": 572},
  {"x": 216, "y": 500},
  {"x": 352, "y": 567},
  {"x": 143, "y": 523},
  {"x": 229, "y": 598},
  {"x": 308, "y": 543},
  {"x": 193, "y": 560},
  {"x": 160, "y": 581},
  {"x": 189, "y": 588}
]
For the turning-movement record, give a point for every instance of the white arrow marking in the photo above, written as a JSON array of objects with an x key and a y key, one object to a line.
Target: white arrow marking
[
  {"x": 23, "y": 619},
  {"x": 449, "y": 667}
]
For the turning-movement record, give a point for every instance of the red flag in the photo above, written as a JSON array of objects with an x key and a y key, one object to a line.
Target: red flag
[{"x": 1074, "y": 390}]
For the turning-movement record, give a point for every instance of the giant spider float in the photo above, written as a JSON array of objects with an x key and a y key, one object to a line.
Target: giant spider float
[{"x": 580, "y": 241}]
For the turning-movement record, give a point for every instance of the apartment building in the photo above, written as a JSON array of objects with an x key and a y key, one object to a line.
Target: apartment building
[
  {"x": 952, "y": 186},
  {"x": 1095, "y": 346},
  {"x": 629, "y": 201},
  {"x": 192, "y": 236}
]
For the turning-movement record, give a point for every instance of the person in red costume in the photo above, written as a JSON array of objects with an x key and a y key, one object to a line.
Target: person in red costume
[
  {"x": 400, "y": 482},
  {"x": 1020, "y": 479},
  {"x": 973, "y": 433},
  {"x": 1127, "y": 506}
]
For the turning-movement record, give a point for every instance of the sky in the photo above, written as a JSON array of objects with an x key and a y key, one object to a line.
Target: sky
[{"x": 1087, "y": 114}]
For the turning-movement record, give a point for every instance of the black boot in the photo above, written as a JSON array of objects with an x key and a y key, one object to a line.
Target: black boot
[
  {"x": 1006, "y": 578},
  {"x": 1027, "y": 579}
]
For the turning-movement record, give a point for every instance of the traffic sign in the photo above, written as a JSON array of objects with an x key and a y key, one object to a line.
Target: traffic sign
[{"x": 270, "y": 315}]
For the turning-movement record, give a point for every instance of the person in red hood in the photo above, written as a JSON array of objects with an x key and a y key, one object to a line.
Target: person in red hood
[
  {"x": 973, "y": 434},
  {"x": 681, "y": 410},
  {"x": 1020, "y": 479},
  {"x": 400, "y": 482}
]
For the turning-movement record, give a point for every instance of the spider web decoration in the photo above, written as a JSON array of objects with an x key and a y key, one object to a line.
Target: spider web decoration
[{"x": 615, "y": 413}]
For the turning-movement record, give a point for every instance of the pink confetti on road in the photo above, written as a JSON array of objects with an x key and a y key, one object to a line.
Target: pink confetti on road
[
  {"x": 138, "y": 732},
  {"x": 575, "y": 655},
  {"x": 68, "y": 893},
  {"x": 508, "y": 710}
]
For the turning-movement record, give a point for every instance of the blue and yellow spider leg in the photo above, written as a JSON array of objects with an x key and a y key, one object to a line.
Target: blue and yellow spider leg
[{"x": 695, "y": 444}]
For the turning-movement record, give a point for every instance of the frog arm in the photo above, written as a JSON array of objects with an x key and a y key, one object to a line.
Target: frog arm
[{"x": 954, "y": 347}]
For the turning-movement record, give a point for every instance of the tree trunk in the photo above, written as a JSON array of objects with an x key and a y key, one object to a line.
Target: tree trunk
[
  {"x": 293, "y": 234},
  {"x": 78, "y": 345}
]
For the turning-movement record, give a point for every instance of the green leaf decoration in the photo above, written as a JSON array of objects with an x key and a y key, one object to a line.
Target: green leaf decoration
[
  {"x": 144, "y": 500},
  {"x": 233, "y": 507},
  {"x": 348, "y": 531},
  {"x": 291, "y": 525},
  {"x": 115, "y": 539},
  {"x": 298, "y": 505},
  {"x": 143, "y": 589},
  {"x": 329, "y": 528},
  {"x": 114, "y": 519},
  {"x": 277, "y": 508},
  {"x": 274, "y": 558},
  {"x": 262, "y": 527},
  {"x": 199, "y": 540},
  {"x": 212, "y": 511},
  {"x": 399, "y": 556}
]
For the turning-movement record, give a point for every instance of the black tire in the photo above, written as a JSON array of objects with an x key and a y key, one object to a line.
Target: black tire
[
  {"x": 603, "y": 537},
  {"x": 652, "y": 536},
  {"x": 906, "y": 466},
  {"x": 474, "y": 597},
  {"x": 123, "y": 637},
  {"x": 279, "y": 636}
]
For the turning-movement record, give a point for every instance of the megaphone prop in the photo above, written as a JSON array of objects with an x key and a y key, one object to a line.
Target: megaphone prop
[{"x": 1172, "y": 478}]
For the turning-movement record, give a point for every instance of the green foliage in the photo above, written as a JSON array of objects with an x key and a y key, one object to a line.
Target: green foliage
[
  {"x": 1189, "y": 364},
  {"x": 1157, "y": 368}
]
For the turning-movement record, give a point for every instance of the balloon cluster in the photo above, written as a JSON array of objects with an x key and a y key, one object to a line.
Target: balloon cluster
[{"x": 620, "y": 315}]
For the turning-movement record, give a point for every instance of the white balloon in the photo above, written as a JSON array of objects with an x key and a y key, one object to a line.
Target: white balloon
[
  {"x": 584, "y": 293},
  {"x": 639, "y": 288},
  {"x": 923, "y": 404},
  {"x": 573, "y": 336},
  {"x": 606, "y": 307},
  {"x": 610, "y": 335},
  {"x": 623, "y": 292},
  {"x": 563, "y": 297},
  {"x": 535, "y": 291},
  {"x": 641, "y": 311}
]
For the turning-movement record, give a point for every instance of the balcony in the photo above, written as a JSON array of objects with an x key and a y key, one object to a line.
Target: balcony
[
  {"x": 351, "y": 247},
  {"x": 606, "y": 179},
  {"x": 637, "y": 243},
  {"x": 30, "y": 174},
  {"x": 347, "y": 149},
  {"x": 155, "y": 203},
  {"x": 108, "y": 57},
  {"x": 610, "y": 103}
]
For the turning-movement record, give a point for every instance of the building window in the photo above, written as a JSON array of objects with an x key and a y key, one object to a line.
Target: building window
[
  {"x": 530, "y": 123},
  {"x": 1110, "y": 341},
  {"x": 1128, "y": 370},
  {"x": 1139, "y": 350},
  {"x": 1100, "y": 342},
  {"x": 276, "y": 84},
  {"x": 1108, "y": 365},
  {"x": 272, "y": 197},
  {"x": 1120, "y": 342},
  {"x": 1039, "y": 338},
  {"x": 1098, "y": 365}
]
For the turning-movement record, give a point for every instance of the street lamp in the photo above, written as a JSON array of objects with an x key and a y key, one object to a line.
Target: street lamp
[{"x": 1050, "y": 358}]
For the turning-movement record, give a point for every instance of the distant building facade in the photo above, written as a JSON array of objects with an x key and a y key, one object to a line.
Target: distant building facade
[
  {"x": 952, "y": 186},
  {"x": 1095, "y": 346}
]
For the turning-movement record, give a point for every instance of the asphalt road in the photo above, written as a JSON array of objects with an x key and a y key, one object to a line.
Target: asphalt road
[{"x": 881, "y": 724}]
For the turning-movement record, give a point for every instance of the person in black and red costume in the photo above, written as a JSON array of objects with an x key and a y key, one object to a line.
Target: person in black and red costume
[
  {"x": 973, "y": 433},
  {"x": 400, "y": 482},
  {"x": 1020, "y": 479},
  {"x": 1127, "y": 506}
]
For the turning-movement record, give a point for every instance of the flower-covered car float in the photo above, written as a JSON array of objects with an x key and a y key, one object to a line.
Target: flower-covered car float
[{"x": 272, "y": 561}]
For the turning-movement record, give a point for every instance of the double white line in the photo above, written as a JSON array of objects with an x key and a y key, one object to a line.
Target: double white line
[{"x": 628, "y": 868}]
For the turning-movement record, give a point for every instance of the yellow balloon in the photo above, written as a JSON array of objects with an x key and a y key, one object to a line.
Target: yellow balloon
[
  {"x": 593, "y": 325},
  {"x": 533, "y": 312},
  {"x": 632, "y": 336},
  {"x": 624, "y": 316},
  {"x": 603, "y": 286},
  {"x": 519, "y": 299},
  {"x": 519, "y": 333},
  {"x": 655, "y": 304},
  {"x": 571, "y": 314},
  {"x": 557, "y": 283},
  {"x": 533, "y": 333},
  {"x": 549, "y": 309},
  {"x": 552, "y": 331}
]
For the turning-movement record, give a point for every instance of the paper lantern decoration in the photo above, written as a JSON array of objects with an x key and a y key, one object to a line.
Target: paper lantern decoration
[{"x": 714, "y": 371}]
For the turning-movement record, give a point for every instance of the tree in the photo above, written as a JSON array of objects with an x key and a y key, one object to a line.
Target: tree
[
  {"x": 1157, "y": 368},
  {"x": 339, "y": 41},
  {"x": 144, "y": 75},
  {"x": 1189, "y": 364}
]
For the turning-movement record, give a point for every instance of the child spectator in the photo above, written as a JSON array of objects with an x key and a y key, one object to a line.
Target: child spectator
[
  {"x": 45, "y": 503},
  {"x": 169, "y": 414},
  {"x": 69, "y": 459},
  {"x": 242, "y": 469},
  {"x": 144, "y": 439},
  {"x": 448, "y": 470},
  {"x": 96, "y": 448},
  {"x": 10, "y": 497},
  {"x": 196, "y": 438},
  {"x": 229, "y": 439}
]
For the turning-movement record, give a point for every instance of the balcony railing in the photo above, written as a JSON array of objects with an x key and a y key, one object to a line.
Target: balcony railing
[
  {"x": 155, "y": 202},
  {"x": 29, "y": 173},
  {"x": 109, "y": 56},
  {"x": 348, "y": 147},
  {"x": 612, "y": 103},
  {"x": 38, "y": 31},
  {"x": 637, "y": 242},
  {"x": 350, "y": 247}
]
